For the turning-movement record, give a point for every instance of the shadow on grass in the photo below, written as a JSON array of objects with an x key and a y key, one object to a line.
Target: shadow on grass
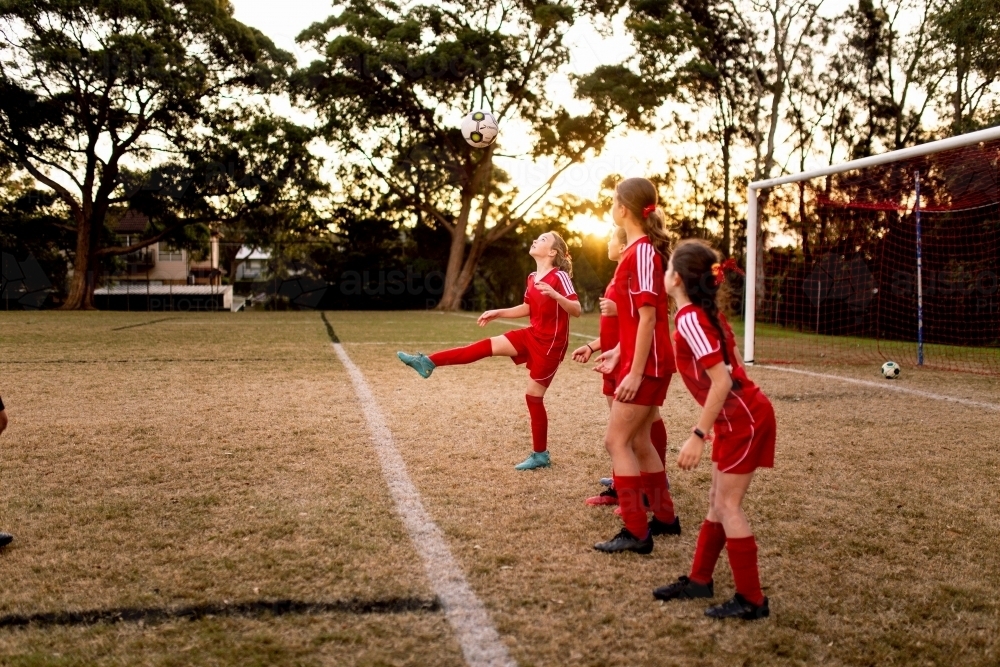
[{"x": 252, "y": 608}]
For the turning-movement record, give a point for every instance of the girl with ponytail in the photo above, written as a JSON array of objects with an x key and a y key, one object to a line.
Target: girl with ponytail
[
  {"x": 644, "y": 362},
  {"x": 743, "y": 421},
  {"x": 549, "y": 300}
]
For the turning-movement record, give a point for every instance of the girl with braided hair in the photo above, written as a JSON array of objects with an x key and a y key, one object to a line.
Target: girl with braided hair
[{"x": 743, "y": 421}]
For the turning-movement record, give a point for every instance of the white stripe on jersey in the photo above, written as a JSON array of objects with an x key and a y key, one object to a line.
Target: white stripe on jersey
[
  {"x": 690, "y": 328},
  {"x": 566, "y": 282},
  {"x": 644, "y": 261}
]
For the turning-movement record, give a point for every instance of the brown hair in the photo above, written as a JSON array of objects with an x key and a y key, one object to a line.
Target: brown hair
[
  {"x": 693, "y": 261},
  {"x": 563, "y": 261},
  {"x": 637, "y": 195}
]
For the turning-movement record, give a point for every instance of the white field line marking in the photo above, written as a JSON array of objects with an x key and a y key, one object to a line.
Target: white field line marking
[
  {"x": 480, "y": 642},
  {"x": 523, "y": 326},
  {"x": 888, "y": 387}
]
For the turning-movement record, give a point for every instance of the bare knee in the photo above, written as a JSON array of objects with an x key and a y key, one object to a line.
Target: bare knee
[{"x": 3, "y": 420}]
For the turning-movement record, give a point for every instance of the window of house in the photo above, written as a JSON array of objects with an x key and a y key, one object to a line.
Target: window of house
[{"x": 168, "y": 254}]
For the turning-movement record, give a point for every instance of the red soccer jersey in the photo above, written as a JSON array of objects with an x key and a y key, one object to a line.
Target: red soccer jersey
[
  {"x": 549, "y": 322},
  {"x": 609, "y": 325},
  {"x": 639, "y": 282},
  {"x": 698, "y": 349}
]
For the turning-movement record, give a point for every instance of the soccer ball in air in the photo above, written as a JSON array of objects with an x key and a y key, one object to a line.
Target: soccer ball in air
[
  {"x": 480, "y": 129},
  {"x": 890, "y": 369}
]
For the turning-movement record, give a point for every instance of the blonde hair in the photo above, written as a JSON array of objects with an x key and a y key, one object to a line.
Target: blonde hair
[
  {"x": 621, "y": 235},
  {"x": 562, "y": 261},
  {"x": 637, "y": 194}
]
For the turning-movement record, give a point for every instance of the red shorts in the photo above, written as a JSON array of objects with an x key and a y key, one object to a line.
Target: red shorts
[
  {"x": 741, "y": 446},
  {"x": 652, "y": 391},
  {"x": 542, "y": 358},
  {"x": 610, "y": 384}
]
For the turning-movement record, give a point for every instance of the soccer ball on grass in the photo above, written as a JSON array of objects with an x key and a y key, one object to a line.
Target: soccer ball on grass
[{"x": 890, "y": 370}]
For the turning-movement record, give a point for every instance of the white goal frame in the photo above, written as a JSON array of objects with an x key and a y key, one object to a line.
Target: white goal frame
[{"x": 753, "y": 217}]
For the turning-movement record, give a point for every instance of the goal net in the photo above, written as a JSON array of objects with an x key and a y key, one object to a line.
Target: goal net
[{"x": 895, "y": 257}]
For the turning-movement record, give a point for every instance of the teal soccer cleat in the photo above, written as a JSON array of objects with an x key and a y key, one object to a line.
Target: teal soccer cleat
[
  {"x": 536, "y": 460},
  {"x": 417, "y": 362}
]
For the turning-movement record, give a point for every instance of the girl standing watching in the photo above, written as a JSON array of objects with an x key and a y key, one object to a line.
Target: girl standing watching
[
  {"x": 644, "y": 370},
  {"x": 549, "y": 301},
  {"x": 744, "y": 425}
]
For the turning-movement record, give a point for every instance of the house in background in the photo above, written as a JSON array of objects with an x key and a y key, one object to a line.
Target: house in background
[
  {"x": 161, "y": 264},
  {"x": 252, "y": 263}
]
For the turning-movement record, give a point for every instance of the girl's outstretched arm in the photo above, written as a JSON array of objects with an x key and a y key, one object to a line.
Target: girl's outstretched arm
[
  {"x": 522, "y": 310},
  {"x": 722, "y": 382}
]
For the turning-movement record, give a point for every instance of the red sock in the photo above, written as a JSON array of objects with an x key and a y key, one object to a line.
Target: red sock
[
  {"x": 654, "y": 485},
  {"x": 711, "y": 540},
  {"x": 630, "y": 501},
  {"x": 743, "y": 561},
  {"x": 463, "y": 355},
  {"x": 658, "y": 434},
  {"x": 539, "y": 423}
]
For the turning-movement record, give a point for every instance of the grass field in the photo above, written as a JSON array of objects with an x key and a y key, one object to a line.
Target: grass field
[{"x": 161, "y": 462}]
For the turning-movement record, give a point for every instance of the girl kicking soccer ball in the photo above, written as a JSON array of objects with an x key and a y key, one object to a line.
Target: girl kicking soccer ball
[
  {"x": 743, "y": 421},
  {"x": 645, "y": 364},
  {"x": 549, "y": 300}
]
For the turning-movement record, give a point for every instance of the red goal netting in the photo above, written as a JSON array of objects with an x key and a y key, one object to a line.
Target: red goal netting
[{"x": 898, "y": 261}]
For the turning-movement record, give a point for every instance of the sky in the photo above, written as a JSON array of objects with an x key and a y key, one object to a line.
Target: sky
[{"x": 631, "y": 154}]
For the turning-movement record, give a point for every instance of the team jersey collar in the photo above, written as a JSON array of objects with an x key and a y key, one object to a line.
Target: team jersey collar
[{"x": 636, "y": 242}]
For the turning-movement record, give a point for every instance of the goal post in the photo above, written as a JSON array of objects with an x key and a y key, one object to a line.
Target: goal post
[{"x": 951, "y": 171}]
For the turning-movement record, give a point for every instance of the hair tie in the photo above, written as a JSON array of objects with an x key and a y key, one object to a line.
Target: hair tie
[
  {"x": 646, "y": 212},
  {"x": 719, "y": 270}
]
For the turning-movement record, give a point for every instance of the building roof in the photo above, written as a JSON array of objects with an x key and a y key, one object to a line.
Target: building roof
[
  {"x": 246, "y": 252},
  {"x": 133, "y": 222}
]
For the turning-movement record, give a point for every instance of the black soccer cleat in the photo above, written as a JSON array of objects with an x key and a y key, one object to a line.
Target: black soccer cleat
[
  {"x": 739, "y": 607},
  {"x": 684, "y": 589},
  {"x": 626, "y": 541},
  {"x": 657, "y": 527},
  {"x": 5, "y": 539}
]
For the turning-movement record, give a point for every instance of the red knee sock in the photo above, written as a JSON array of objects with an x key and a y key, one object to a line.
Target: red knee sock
[
  {"x": 630, "y": 501},
  {"x": 539, "y": 423},
  {"x": 743, "y": 561},
  {"x": 711, "y": 540},
  {"x": 658, "y": 434},
  {"x": 654, "y": 485},
  {"x": 463, "y": 355}
]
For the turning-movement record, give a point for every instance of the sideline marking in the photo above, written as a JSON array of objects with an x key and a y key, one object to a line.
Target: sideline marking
[
  {"x": 889, "y": 387},
  {"x": 144, "y": 324},
  {"x": 519, "y": 324},
  {"x": 480, "y": 642}
]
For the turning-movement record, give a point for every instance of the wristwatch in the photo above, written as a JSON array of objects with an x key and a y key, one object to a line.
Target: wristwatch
[{"x": 698, "y": 432}]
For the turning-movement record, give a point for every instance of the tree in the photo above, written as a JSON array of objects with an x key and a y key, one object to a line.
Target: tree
[
  {"x": 697, "y": 51},
  {"x": 95, "y": 92},
  {"x": 393, "y": 81}
]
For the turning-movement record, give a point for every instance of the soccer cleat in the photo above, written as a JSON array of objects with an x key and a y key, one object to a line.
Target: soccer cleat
[
  {"x": 607, "y": 481},
  {"x": 535, "y": 460},
  {"x": 626, "y": 541},
  {"x": 418, "y": 362},
  {"x": 5, "y": 539},
  {"x": 685, "y": 589},
  {"x": 606, "y": 497},
  {"x": 739, "y": 607},
  {"x": 657, "y": 527}
]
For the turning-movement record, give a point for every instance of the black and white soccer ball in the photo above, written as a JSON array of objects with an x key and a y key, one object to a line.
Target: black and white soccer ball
[
  {"x": 890, "y": 370},
  {"x": 480, "y": 129}
]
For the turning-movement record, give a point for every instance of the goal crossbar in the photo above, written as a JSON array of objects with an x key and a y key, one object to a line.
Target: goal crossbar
[{"x": 753, "y": 219}]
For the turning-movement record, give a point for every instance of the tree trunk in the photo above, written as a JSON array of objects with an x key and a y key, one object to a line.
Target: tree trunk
[
  {"x": 81, "y": 289},
  {"x": 727, "y": 242},
  {"x": 806, "y": 251}
]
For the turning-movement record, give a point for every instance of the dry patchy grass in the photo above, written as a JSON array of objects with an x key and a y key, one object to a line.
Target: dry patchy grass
[{"x": 212, "y": 457}]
